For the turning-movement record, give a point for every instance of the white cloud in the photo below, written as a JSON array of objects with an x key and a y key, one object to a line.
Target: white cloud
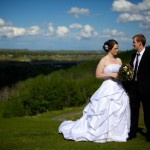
[
  {"x": 2, "y": 22},
  {"x": 133, "y": 12},
  {"x": 145, "y": 25},
  {"x": 144, "y": 6},
  {"x": 126, "y": 17},
  {"x": 146, "y": 22},
  {"x": 122, "y": 5},
  {"x": 75, "y": 26},
  {"x": 75, "y": 11},
  {"x": 87, "y": 32},
  {"x": 113, "y": 33},
  {"x": 126, "y": 6},
  {"x": 9, "y": 32},
  {"x": 62, "y": 31},
  {"x": 33, "y": 30},
  {"x": 51, "y": 28},
  {"x": 51, "y": 31}
]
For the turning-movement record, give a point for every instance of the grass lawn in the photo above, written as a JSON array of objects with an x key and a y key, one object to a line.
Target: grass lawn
[{"x": 41, "y": 133}]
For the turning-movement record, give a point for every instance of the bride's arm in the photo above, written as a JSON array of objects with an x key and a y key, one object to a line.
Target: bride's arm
[{"x": 100, "y": 68}]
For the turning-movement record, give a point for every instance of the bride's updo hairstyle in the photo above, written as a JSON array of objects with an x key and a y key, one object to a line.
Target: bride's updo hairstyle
[{"x": 108, "y": 45}]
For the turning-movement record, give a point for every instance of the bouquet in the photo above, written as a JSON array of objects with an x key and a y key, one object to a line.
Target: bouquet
[{"x": 125, "y": 73}]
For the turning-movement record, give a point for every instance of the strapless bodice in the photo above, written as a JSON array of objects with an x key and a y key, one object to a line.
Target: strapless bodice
[{"x": 112, "y": 68}]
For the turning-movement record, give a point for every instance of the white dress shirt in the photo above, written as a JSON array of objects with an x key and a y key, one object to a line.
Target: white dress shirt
[{"x": 139, "y": 58}]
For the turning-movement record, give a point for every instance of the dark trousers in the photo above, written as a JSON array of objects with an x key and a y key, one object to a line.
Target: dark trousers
[{"x": 135, "y": 99}]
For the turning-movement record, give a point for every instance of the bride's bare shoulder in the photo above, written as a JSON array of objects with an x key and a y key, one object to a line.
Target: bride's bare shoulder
[
  {"x": 119, "y": 60},
  {"x": 104, "y": 58}
]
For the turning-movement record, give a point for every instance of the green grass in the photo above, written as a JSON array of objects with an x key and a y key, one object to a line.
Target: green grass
[{"x": 41, "y": 133}]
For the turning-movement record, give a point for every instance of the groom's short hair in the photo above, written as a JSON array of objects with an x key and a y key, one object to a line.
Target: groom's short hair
[{"x": 140, "y": 38}]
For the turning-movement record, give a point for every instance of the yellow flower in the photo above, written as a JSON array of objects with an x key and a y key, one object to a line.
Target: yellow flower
[{"x": 125, "y": 73}]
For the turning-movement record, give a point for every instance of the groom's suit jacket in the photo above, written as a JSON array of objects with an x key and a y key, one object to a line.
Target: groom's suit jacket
[{"x": 143, "y": 73}]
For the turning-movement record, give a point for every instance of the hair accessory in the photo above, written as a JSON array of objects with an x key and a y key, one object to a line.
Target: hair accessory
[{"x": 106, "y": 47}]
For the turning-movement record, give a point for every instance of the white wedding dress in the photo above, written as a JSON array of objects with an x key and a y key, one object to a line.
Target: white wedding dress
[{"x": 105, "y": 118}]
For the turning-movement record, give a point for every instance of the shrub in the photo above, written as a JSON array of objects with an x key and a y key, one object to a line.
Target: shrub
[{"x": 63, "y": 88}]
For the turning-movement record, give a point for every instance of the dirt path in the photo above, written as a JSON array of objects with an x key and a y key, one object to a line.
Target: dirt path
[{"x": 65, "y": 116}]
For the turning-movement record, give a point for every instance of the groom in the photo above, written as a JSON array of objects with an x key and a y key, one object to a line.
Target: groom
[{"x": 140, "y": 88}]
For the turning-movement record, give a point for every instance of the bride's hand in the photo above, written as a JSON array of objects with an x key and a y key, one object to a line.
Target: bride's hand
[{"x": 114, "y": 75}]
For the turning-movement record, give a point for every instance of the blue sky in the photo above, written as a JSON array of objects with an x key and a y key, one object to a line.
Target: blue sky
[{"x": 72, "y": 24}]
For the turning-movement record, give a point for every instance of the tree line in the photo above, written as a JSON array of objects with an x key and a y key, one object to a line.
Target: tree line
[{"x": 57, "y": 90}]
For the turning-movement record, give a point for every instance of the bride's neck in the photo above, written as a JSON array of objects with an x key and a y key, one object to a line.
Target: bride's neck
[{"x": 110, "y": 56}]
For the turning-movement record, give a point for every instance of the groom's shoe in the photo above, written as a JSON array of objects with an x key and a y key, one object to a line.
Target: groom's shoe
[
  {"x": 131, "y": 136},
  {"x": 147, "y": 138}
]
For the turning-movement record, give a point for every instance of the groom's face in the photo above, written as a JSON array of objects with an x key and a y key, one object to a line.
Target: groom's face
[{"x": 136, "y": 44}]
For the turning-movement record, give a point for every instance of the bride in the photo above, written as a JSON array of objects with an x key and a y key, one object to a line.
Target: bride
[{"x": 107, "y": 116}]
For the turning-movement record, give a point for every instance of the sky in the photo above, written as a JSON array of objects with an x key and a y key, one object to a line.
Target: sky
[{"x": 72, "y": 24}]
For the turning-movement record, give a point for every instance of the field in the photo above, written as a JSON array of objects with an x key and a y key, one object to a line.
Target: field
[
  {"x": 48, "y": 55},
  {"x": 41, "y": 133}
]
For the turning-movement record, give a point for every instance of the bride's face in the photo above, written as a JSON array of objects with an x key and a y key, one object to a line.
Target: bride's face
[{"x": 114, "y": 50}]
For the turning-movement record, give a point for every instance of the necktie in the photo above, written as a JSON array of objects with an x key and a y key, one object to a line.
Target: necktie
[{"x": 136, "y": 66}]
